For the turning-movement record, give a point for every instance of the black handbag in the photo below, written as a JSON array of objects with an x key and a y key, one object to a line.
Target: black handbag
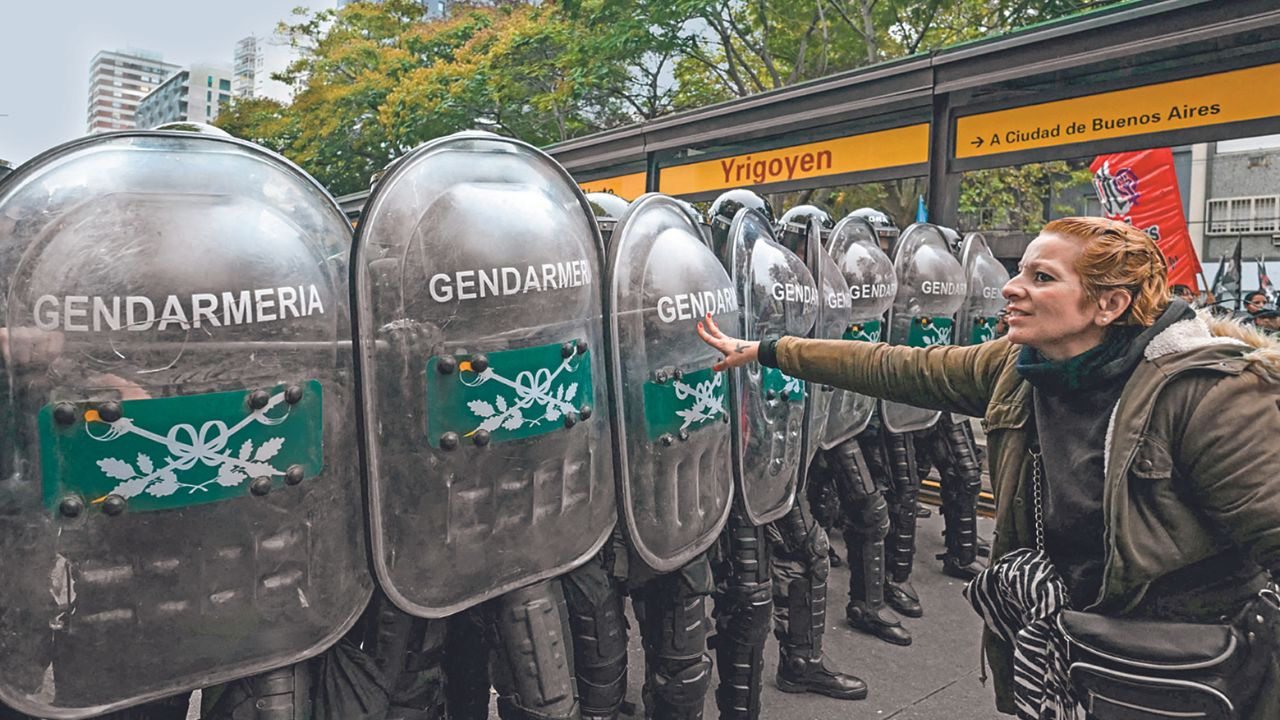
[
  {"x": 1122, "y": 669},
  {"x": 1132, "y": 669}
]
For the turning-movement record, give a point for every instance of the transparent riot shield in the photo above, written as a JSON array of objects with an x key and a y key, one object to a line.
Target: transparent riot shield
[
  {"x": 675, "y": 478},
  {"x": 854, "y": 248},
  {"x": 477, "y": 277},
  {"x": 985, "y": 278},
  {"x": 931, "y": 288},
  {"x": 179, "y": 490},
  {"x": 830, "y": 321},
  {"x": 777, "y": 296}
]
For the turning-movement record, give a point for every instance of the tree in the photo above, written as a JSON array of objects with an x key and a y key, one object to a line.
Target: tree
[
  {"x": 260, "y": 120},
  {"x": 375, "y": 80}
]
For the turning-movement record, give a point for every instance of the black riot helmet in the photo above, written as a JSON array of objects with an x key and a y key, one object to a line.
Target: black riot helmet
[
  {"x": 698, "y": 218},
  {"x": 726, "y": 207},
  {"x": 792, "y": 228},
  {"x": 608, "y": 209},
  {"x": 953, "y": 240},
  {"x": 886, "y": 231}
]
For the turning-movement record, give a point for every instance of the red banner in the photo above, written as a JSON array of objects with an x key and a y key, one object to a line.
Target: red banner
[{"x": 1141, "y": 188}]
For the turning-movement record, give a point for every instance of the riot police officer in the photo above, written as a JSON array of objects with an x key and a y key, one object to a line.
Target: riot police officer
[
  {"x": 843, "y": 477},
  {"x": 177, "y": 346},
  {"x": 767, "y": 458},
  {"x": 674, "y": 473},
  {"x": 801, "y": 560},
  {"x": 930, "y": 290},
  {"x": 481, "y": 356},
  {"x": 950, "y": 445}
]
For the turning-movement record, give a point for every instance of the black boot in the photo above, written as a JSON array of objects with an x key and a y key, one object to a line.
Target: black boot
[
  {"x": 903, "y": 598},
  {"x": 952, "y": 567},
  {"x": 866, "y": 610},
  {"x": 800, "y": 674},
  {"x": 834, "y": 557}
]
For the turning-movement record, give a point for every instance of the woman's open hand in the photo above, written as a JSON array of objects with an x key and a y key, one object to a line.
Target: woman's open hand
[{"x": 736, "y": 352}]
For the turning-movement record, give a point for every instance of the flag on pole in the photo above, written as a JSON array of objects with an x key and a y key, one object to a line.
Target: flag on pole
[
  {"x": 1264, "y": 282},
  {"x": 1141, "y": 188},
  {"x": 1226, "y": 282}
]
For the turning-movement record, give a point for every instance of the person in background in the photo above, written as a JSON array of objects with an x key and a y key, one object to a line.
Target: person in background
[
  {"x": 1186, "y": 293},
  {"x": 1255, "y": 302}
]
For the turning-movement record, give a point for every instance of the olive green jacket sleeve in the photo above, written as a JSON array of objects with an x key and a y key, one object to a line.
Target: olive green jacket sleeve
[{"x": 943, "y": 377}]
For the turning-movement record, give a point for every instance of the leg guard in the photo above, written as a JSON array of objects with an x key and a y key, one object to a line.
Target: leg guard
[
  {"x": 800, "y": 570},
  {"x": 904, "y": 480},
  {"x": 742, "y": 612},
  {"x": 866, "y": 526},
  {"x": 961, "y": 480},
  {"x": 599, "y": 638},
  {"x": 673, "y": 628},
  {"x": 532, "y": 662},
  {"x": 282, "y": 694}
]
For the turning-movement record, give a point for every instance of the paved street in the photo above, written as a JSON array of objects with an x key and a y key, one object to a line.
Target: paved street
[{"x": 936, "y": 678}]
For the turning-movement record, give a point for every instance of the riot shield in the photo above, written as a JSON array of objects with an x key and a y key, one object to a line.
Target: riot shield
[
  {"x": 802, "y": 230},
  {"x": 985, "y": 278},
  {"x": 179, "y": 490},
  {"x": 854, "y": 247},
  {"x": 482, "y": 365},
  {"x": 777, "y": 296},
  {"x": 675, "y": 478},
  {"x": 931, "y": 288}
]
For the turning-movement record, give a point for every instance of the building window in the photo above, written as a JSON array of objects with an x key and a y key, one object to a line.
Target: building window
[
  {"x": 1244, "y": 215},
  {"x": 209, "y": 80},
  {"x": 208, "y": 96},
  {"x": 224, "y": 85}
]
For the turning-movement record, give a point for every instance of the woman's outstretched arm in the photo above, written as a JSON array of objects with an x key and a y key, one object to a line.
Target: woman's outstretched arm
[{"x": 944, "y": 377}]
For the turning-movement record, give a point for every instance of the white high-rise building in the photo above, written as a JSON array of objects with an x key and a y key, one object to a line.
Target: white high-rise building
[
  {"x": 256, "y": 59},
  {"x": 117, "y": 82},
  {"x": 194, "y": 95}
]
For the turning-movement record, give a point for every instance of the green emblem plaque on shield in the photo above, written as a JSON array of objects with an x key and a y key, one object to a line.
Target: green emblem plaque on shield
[
  {"x": 984, "y": 329},
  {"x": 929, "y": 331},
  {"x": 510, "y": 394},
  {"x": 166, "y": 453},
  {"x": 776, "y": 383},
  {"x": 689, "y": 403},
  {"x": 868, "y": 331}
]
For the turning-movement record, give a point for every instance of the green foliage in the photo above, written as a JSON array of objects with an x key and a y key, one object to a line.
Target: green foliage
[
  {"x": 1019, "y": 198},
  {"x": 376, "y": 79}
]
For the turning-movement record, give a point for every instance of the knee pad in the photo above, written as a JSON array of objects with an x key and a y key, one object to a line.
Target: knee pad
[
  {"x": 684, "y": 684},
  {"x": 819, "y": 544},
  {"x": 872, "y": 521}
]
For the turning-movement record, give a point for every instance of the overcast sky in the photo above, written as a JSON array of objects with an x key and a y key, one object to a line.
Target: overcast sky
[{"x": 46, "y": 46}]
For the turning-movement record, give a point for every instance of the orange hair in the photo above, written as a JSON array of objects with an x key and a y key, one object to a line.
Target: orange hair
[{"x": 1119, "y": 255}]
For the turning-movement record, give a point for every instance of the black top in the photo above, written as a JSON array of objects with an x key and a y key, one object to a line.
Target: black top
[{"x": 1073, "y": 403}]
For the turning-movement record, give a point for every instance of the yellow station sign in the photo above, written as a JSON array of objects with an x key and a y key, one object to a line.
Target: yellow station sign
[
  {"x": 1234, "y": 96},
  {"x": 628, "y": 187},
  {"x": 868, "y": 151}
]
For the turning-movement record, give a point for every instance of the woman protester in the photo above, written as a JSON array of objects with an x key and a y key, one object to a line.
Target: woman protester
[{"x": 1134, "y": 461}]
